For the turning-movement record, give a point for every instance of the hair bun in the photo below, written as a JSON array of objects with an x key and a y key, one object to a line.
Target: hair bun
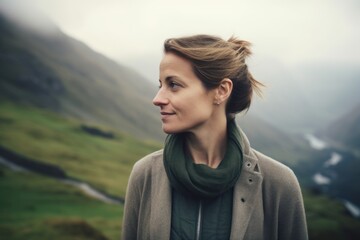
[{"x": 241, "y": 47}]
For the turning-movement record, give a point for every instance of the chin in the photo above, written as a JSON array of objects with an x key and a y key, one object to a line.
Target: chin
[{"x": 170, "y": 130}]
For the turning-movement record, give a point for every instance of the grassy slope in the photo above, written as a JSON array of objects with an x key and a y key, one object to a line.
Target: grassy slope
[
  {"x": 36, "y": 207},
  {"x": 328, "y": 219},
  {"x": 105, "y": 163},
  {"x": 64, "y": 75}
]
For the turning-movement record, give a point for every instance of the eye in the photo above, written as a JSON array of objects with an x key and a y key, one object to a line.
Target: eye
[{"x": 173, "y": 85}]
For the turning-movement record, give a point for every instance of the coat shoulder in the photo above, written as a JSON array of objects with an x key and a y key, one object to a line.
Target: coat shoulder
[
  {"x": 269, "y": 164},
  {"x": 276, "y": 174},
  {"x": 144, "y": 168},
  {"x": 149, "y": 160}
]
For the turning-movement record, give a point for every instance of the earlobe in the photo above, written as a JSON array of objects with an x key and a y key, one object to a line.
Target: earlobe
[{"x": 216, "y": 98}]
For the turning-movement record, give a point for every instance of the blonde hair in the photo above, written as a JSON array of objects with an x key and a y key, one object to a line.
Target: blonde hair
[{"x": 214, "y": 59}]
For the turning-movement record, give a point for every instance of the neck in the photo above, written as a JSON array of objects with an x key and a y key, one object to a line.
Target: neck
[{"x": 208, "y": 144}]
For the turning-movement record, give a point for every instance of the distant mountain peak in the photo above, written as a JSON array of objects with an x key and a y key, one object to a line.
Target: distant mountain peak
[{"x": 28, "y": 18}]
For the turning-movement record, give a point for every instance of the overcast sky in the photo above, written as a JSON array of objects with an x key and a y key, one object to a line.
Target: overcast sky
[{"x": 132, "y": 31}]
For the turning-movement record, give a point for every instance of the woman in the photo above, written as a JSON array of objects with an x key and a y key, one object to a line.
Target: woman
[{"x": 208, "y": 183}]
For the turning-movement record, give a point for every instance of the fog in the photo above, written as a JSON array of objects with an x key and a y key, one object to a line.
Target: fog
[
  {"x": 70, "y": 113},
  {"x": 133, "y": 31},
  {"x": 300, "y": 49}
]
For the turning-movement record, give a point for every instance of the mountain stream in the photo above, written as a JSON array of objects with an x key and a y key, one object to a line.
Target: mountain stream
[
  {"x": 322, "y": 180},
  {"x": 84, "y": 187}
]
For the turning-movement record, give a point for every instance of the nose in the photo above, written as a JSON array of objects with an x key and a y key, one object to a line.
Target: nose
[{"x": 160, "y": 99}]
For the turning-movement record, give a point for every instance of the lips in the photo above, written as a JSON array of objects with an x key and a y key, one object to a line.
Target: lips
[{"x": 166, "y": 115}]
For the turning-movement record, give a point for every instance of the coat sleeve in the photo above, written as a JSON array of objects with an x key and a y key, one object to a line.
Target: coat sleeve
[
  {"x": 292, "y": 219},
  {"x": 132, "y": 205}
]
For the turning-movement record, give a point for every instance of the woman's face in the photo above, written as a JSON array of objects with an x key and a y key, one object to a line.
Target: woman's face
[{"x": 185, "y": 104}]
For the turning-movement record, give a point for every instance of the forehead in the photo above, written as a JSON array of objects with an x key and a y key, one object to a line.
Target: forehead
[{"x": 173, "y": 62}]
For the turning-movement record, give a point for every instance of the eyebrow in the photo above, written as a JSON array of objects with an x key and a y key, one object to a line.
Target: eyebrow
[{"x": 169, "y": 78}]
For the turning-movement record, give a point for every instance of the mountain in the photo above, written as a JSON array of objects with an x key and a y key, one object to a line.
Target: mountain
[
  {"x": 343, "y": 136},
  {"x": 308, "y": 96},
  {"x": 54, "y": 71},
  {"x": 43, "y": 73},
  {"x": 345, "y": 131},
  {"x": 263, "y": 136},
  {"x": 335, "y": 168}
]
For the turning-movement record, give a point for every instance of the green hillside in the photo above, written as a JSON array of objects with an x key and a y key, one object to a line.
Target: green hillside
[
  {"x": 327, "y": 219},
  {"x": 63, "y": 104},
  {"x": 46, "y": 137},
  {"x": 35, "y": 207},
  {"x": 57, "y": 72}
]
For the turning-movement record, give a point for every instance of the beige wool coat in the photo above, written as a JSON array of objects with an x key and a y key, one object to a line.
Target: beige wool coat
[{"x": 267, "y": 202}]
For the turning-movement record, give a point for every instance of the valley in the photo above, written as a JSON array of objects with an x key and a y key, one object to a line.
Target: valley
[{"x": 66, "y": 106}]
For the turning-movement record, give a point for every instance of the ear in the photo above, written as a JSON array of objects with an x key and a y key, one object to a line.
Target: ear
[{"x": 223, "y": 91}]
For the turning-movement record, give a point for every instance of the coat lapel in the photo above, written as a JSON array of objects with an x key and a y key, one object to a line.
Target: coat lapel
[{"x": 246, "y": 191}]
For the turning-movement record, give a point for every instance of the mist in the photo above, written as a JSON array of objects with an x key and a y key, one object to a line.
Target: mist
[
  {"x": 76, "y": 83},
  {"x": 306, "y": 53}
]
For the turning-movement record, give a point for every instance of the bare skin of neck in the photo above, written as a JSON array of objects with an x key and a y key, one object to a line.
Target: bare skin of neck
[{"x": 208, "y": 144}]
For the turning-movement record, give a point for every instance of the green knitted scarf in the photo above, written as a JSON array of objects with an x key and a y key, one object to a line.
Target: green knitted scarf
[{"x": 199, "y": 179}]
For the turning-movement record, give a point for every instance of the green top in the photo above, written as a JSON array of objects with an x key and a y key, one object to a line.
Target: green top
[{"x": 195, "y": 218}]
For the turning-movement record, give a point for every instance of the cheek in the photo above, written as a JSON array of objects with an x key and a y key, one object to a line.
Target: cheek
[
  {"x": 201, "y": 108},
  {"x": 195, "y": 102}
]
